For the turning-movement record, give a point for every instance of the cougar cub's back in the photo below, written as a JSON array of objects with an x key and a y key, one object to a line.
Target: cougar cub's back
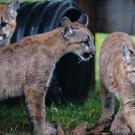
[
  {"x": 8, "y": 13},
  {"x": 111, "y": 55}
]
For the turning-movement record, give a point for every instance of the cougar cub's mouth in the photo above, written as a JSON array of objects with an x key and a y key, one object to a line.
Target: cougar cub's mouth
[
  {"x": 2, "y": 38},
  {"x": 88, "y": 55}
]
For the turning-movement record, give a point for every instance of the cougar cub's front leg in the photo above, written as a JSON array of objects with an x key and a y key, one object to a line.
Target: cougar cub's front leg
[
  {"x": 34, "y": 97},
  {"x": 119, "y": 126},
  {"x": 128, "y": 107},
  {"x": 128, "y": 113},
  {"x": 107, "y": 105}
]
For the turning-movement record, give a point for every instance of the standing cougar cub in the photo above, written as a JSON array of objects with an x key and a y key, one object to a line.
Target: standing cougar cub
[
  {"x": 117, "y": 76},
  {"x": 26, "y": 67},
  {"x": 8, "y": 15}
]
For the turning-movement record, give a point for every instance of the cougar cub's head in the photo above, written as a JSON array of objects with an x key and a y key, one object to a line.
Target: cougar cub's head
[
  {"x": 79, "y": 38},
  {"x": 8, "y": 15},
  {"x": 129, "y": 63}
]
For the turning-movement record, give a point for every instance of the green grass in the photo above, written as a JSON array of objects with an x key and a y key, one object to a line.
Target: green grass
[
  {"x": 99, "y": 40},
  {"x": 67, "y": 115},
  {"x": 70, "y": 115}
]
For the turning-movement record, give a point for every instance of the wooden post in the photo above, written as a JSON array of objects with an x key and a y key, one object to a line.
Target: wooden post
[{"x": 115, "y": 15}]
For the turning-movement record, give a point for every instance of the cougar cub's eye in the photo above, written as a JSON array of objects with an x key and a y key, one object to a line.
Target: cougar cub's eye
[
  {"x": 3, "y": 24},
  {"x": 86, "y": 41}
]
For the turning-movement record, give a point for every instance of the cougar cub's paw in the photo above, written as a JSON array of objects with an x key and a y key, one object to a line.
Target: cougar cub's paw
[
  {"x": 118, "y": 129},
  {"x": 53, "y": 129},
  {"x": 105, "y": 122},
  {"x": 49, "y": 130},
  {"x": 60, "y": 131}
]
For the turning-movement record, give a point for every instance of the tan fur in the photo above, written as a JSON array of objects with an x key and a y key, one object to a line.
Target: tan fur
[
  {"x": 116, "y": 76},
  {"x": 9, "y": 29},
  {"x": 26, "y": 68}
]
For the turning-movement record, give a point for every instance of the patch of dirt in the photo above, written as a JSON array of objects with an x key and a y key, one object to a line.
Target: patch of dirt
[
  {"x": 79, "y": 130},
  {"x": 99, "y": 129}
]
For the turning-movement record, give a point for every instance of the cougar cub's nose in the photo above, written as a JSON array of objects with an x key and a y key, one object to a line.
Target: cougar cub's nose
[{"x": 89, "y": 47}]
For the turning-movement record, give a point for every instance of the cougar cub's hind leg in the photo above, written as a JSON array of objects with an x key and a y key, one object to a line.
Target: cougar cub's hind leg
[
  {"x": 119, "y": 126},
  {"x": 34, "y": 98},
  {"x": 107, "y": 105}
]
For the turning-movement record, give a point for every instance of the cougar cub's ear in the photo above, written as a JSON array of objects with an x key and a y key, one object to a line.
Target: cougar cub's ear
[
  {"x": 12, "y": 8},
  {"x": 127, "y": 54},
  {"x": 84, "y": 19},
  {"x": 66, "y": 26}
]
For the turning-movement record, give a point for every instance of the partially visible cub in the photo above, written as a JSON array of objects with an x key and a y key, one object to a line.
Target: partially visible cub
[
  {"x": 117, "y": 76},
  {"x": 8, "y": 13}
]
